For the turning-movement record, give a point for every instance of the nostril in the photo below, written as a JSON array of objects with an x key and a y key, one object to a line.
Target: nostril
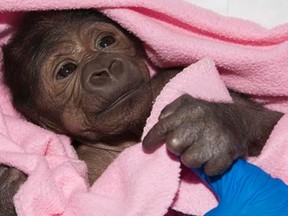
[
  {"x": 99, "y": 78},
  {"x": 101, "y": 73},
  {"x": 98, "y": 73}
]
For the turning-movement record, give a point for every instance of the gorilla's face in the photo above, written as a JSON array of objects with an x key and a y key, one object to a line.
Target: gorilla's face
[
  {"x": 96, "y": 80},
  {"x": 92, "y": 82}
]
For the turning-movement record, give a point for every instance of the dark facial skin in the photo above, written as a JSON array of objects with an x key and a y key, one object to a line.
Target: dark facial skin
[{"x": 86, "y": 77}]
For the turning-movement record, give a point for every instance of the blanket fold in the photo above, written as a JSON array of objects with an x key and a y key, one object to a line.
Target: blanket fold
[{"x": 245, "y": 57}]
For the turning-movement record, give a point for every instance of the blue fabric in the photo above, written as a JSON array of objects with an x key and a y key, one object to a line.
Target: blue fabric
[{"x": 246, "y": 190}]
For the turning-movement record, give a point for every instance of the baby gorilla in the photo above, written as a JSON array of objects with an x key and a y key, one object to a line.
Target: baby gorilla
[{"x": 79, "y": 73}]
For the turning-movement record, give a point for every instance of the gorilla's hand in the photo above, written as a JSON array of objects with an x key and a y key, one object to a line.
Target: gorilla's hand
[
  {"x": 10, "y": 181},
  {"x": 207, "y": 133}
]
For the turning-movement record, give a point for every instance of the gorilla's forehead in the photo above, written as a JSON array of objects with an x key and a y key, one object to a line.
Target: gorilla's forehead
[
  {"x": 84, "y": 32},
  {"x": 53, "y": 35},
  {"x": 50, "y": 29}
]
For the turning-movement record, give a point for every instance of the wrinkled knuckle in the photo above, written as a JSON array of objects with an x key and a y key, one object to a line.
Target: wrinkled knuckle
[{"x": 159, "y": 129}]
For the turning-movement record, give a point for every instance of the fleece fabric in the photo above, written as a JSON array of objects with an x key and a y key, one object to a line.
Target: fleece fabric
[{"x": 241, "y": 55}]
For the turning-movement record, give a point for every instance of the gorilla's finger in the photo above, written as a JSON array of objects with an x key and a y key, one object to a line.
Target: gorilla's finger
[
  {"x": 196, "y": 155},
  {"x": 171, "y": 108},
  {"x": 184, "y": 136},
  {"x": 156, "y": 136},
  {"x": 218, "y": 165},
  {"x": 180, "y": 101}
]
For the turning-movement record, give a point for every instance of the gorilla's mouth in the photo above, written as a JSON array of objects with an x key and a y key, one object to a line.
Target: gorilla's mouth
[{"x": 120, "y": 99}]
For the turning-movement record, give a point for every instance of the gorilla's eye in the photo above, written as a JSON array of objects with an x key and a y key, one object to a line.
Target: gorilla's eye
[
  {"x": 106, "y": 41},
  {"x": 66, "y": 70}
]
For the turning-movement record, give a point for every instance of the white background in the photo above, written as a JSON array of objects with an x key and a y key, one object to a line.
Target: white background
[{"x": 268, "y": 13}]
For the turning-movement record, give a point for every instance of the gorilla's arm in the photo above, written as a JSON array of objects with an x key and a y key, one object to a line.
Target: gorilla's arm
[
  {"x": 257, "y": 122},
  {"x": 212, "y": 134}
]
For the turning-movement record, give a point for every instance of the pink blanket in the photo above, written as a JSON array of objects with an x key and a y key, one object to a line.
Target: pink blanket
[{"x": 250, "y": 59}]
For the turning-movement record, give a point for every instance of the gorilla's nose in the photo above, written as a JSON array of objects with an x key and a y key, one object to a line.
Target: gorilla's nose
[{"x": 98, "y": 73}]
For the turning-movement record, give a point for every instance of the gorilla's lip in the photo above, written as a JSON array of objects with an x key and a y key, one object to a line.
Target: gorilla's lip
[{"x": 121, "y": 98}]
